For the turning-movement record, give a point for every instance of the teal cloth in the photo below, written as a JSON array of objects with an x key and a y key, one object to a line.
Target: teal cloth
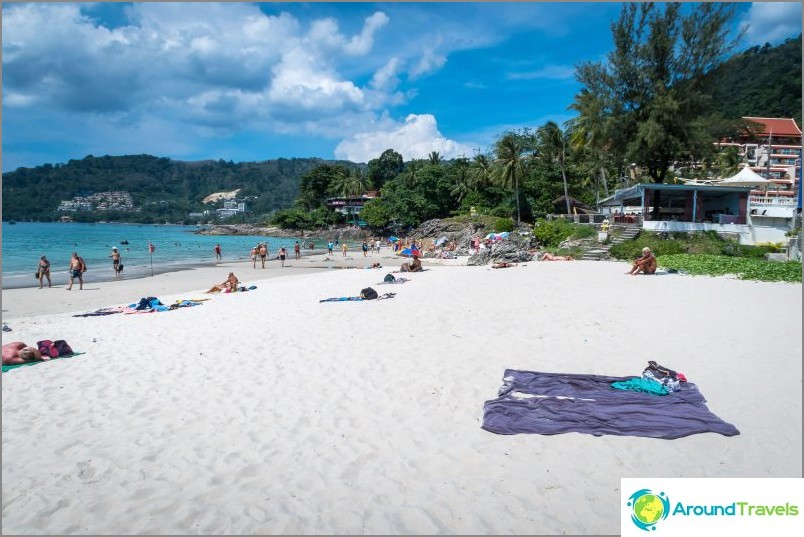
[
  {"x": 15, "y": 366},
  {"x": 639, "y": 384}
]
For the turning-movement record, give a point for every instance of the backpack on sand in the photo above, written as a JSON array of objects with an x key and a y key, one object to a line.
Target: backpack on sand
[{"x": 368, "y": 294}]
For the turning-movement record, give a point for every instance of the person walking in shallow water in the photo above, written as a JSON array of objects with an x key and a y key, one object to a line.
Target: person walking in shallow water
[
  {"x": 282, "y": 255},
  {"x": 115, "y": 255},
  {"x": 263, "y": 253},
  {"x": 297, "y": 250},
  {"x": 218, "y": 252}
]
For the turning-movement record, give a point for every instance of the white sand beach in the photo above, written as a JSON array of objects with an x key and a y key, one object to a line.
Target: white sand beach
[{"x": 268, "y": 412}]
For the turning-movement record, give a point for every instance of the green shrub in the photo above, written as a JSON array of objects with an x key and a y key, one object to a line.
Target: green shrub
[
  {"x": 503, "y": 224},
  {"x": 501, "y": 211},
  {"x": 582, "y": 231}
]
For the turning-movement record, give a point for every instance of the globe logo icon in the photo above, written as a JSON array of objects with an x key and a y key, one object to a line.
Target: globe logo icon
[{"x": 648, "y": 508}]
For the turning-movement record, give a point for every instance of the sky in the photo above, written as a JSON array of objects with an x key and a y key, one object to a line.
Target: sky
[{"x": 256, "y": 81}]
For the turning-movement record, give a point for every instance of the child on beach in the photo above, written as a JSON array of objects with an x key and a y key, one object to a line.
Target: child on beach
[
  {"x": 282, "y": 255},
  {"x": 344, "y": 248}
]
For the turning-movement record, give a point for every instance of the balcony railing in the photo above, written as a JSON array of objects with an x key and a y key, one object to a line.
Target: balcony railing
[{"x": 773, "y": 202}]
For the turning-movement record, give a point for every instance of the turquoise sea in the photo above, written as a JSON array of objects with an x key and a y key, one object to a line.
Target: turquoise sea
[{"x": 176, "y": 248}]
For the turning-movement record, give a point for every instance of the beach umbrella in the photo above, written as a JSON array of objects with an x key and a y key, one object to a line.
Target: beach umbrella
[
  {"x": 393, "y": 239},
  {"x": 441, "y": 241},
  {"x": 490, "y": 236},
  {"x": 411, "y": 252},
  {"x": 503, "y": 235}
]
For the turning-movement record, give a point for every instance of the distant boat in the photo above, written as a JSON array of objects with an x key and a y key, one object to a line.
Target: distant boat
[{"x": 11, "y": 222}]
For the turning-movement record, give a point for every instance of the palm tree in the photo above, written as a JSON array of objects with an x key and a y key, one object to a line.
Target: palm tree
[
  {"x": 357, "y": 185},
  {"x": 509, "y": 164},
  {"x": 435, "y": 158},
  {"x": 481, "y": 170},
  {"x": 588, "y": 132},
  {"x": 553, "y": 145},
  {"x": 461, "y": 181}
]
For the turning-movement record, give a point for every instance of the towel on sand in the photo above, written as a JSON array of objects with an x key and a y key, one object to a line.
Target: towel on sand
[
  {"x": 554, "y": 403},
  {"x": 15, "y": 366}
]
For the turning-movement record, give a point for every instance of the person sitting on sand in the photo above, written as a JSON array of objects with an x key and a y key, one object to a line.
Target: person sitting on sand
[
  {"x": 18, "y": 352},
  {"x": 374, "y": 265},
  {"x": 550, "y": 257},
  {"x": 414, "y": 266},
  {"x": 228, "y": 286},
  {"x": 646, "y": 264}
]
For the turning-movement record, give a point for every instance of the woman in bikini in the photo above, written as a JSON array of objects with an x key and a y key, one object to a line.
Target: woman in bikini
[{"x": 44, "y": 271}]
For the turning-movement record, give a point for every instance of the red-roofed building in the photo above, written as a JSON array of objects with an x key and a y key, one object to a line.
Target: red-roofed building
[{"x": 772, "y": 148}]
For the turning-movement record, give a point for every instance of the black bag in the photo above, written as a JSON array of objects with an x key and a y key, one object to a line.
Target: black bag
[
  {"x": 368, "y": 294},
  {"x": 36, "y": 275},
  {"x": 120, "y": 267},
  {"x": 389, "y": 278}
]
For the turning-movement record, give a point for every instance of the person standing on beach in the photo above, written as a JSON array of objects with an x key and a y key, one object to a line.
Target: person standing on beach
[
  {"x": 44, "y": 271},
  {"x": 297, "y": 250},
  {"x": 218, "y": 252},
  {"x": 263, "y": 253},
  {"x": 330, "y": 246},
  {"x": 377, "y": 245},
  {"x": 77, "y": 269},
  {"x": 254, "y": 257},
  {"x": 344, "y": 248},
  {"x": 365, "y": 249},
  {"x": 282, "y": 255},
  {"x": 115, "y": 255}
]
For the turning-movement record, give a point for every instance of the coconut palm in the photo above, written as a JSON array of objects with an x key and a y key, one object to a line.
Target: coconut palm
[
  {"x": 461, "y": 179},
  {"x": 481, "y": 171},
  {"x": 435, "y": 158},
  {"x": 509, "y": 164},
  {"x": 553, "y": 146}
]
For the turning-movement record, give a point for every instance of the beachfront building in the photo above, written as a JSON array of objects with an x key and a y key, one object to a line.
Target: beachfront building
[
  {"x": 730, "y": 210},
  {"x": 117, "y": 200},
  {"x": 351, "y": 206}
]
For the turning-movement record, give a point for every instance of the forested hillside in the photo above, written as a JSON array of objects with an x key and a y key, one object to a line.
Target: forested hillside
[
  {"x": 760, "y": 82},
  {"x": 165, "y": 189}
]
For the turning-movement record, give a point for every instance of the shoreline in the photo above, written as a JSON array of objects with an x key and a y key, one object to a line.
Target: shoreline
[{"x": 21, "y": 302}]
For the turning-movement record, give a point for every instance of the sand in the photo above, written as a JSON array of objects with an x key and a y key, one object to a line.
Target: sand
[{"x": 269, "y": 412}]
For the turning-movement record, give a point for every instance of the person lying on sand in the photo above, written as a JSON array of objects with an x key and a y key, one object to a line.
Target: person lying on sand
[
  {"x": 229, "y": 285},
  {"x": 503, "y": 264},
  {"x": 550, "y": 257},
  {"x": 374, "y": 265},
  {"x": 18, "y": 352},
  {"x": 415, "y": 266},
  {"x": 646, "y": 264}
]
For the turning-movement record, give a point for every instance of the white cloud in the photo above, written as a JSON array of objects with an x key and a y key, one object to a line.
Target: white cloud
[
  {"x": 417, "y": 137},
  {"x": 428, "y": 63},
  {"x": 772, "y": 22},
  {"x": 552, "y": 72}
]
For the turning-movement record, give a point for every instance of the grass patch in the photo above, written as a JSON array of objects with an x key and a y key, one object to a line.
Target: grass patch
[{"x": 744, "y": 267}]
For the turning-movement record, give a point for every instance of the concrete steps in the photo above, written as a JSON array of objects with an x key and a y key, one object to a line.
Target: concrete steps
[{"x": 597, "y": 251}]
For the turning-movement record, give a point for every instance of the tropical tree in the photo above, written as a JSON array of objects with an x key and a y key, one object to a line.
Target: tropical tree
[
  {"x": 386, "y": 167},
  {"x": 434, "y": 158},
  {"x": 651, "y": 85},
  {"x": 509, "y": 164},
  {"x": 461, "y": 179},
  {"x": 553, "y": 141},
  {"x": 481, "y": 171}
]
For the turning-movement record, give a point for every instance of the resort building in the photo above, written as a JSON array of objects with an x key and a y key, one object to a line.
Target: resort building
[
  {"x": 351, "y": 205},
  {"x": 231, "y": 208}
]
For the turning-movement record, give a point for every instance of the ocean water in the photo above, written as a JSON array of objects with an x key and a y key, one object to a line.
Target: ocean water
[{"x": 176, "y": 247}]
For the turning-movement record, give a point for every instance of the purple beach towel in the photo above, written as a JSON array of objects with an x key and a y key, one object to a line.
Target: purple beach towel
[{"x": 555, "y": 403}]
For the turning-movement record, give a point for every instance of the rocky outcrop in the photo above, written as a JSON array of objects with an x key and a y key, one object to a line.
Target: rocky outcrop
[
  {"x": 459, "y": 232},
  {"x": 339, "y": 234},
  {"x": 515, "y": 249}
]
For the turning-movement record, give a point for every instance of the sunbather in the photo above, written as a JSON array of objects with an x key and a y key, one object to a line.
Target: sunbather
[
  {"x": 646, "y": 264},
  {"x": 414, "y": 266},
  {"x": 550, "y": 257},
  {"x": 503, "y": 264},
  {"x": 228, "y": 286},
  {"x": 18, "y": 352}
]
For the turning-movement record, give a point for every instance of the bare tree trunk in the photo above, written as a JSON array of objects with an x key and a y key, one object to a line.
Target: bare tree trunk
[
  {"x": 605, "y": 181},
  {"x": 566, "y": 189},
  {"x": 518, "y": 221}
]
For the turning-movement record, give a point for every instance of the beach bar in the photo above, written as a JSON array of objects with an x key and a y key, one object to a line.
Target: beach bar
[{"x": 698, "y": 207}]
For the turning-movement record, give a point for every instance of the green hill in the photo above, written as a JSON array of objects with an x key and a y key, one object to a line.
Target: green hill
[
  {"x": 165, "y": 189},
  {"x": 760, "y": 82}
]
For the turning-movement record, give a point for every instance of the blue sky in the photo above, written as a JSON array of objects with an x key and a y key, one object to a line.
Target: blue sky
[{"x": 250, "y": 82}]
